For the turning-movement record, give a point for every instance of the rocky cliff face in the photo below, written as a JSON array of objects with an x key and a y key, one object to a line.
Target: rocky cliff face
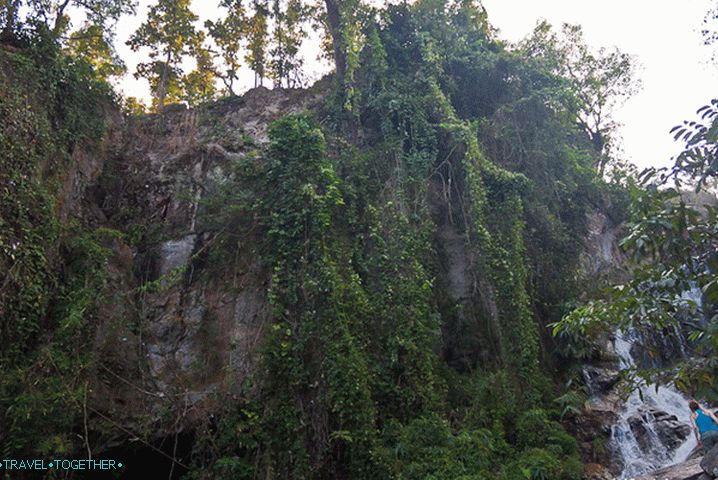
[{"x": 174, "y": 338}]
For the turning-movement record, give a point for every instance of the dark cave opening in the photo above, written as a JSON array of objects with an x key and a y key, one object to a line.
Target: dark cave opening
[{"x": 153, "y": 459}]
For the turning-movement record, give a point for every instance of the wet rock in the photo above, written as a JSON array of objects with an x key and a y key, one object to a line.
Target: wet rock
[
  {"x": 709, "y": 463},
  {"x": 592, "y": 429},
  {"x": 658, "y": 348},
  {"x": 638, "y": 425},
  {"x": 670, "y": 431},
  {"x": 690, "y": 470},
  {"x": 600, "y": 380},
  {"x": 696, "y": 453}
]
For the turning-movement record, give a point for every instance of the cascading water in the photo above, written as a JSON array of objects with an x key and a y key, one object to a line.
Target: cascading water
[{"x": 653, "y": 430}]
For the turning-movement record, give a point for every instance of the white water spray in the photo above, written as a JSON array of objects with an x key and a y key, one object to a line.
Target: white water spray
[{"x": 651, "y": 452}]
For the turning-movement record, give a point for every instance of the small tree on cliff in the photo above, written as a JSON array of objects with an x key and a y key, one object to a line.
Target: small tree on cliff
[
  {"x": 228, "y": 34},
  {"x": 198, "y": 85},
  {"x": 287, "y": 37},
  {"x": 170, "y": 33},
  {"x": 600, "y": 81},
  {"x": 257, "y": 33},
  {"x": 91, "y": 44}
]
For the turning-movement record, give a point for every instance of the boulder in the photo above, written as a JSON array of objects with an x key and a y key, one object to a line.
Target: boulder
[
  {"x": 592, "y": 429},
  {"x": 709, "y": 463}
]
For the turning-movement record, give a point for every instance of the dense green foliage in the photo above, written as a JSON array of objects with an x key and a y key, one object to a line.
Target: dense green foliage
[
  {"x": 372, "y": 368},
  {"x": 53, "y": 16},
  {"x": 600, "y": 80},
  {"x": 90, "y": 44},
  {"x": 53, "y": 270}
]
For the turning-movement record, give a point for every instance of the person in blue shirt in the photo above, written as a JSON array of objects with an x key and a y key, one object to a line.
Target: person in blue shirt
[{"x": 705, "y": 425}]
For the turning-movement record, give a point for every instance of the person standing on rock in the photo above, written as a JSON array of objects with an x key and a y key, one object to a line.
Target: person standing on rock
[{"x": 705, "y": 425}]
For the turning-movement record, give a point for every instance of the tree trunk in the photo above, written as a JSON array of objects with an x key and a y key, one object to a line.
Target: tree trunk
[
  {"x": 229, "y": 83},
  {"x": 59, "y": 19},
  {"x": 334, "y": 23},
  {"x": 162, "y": 93},
  {"x": 279, "y": 70}
]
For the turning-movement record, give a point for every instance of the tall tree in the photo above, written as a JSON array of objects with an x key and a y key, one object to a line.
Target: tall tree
[
  {"x": 334, "y": 26},
  {"x": 288, "y": 35},
  {"x": 228, "y": 34},
  {"x": 166, "y": 86},
  {"x": 344, "y": 23},
  {"x": 170, "y": 34},
  {"x": 257, "y": 33}
]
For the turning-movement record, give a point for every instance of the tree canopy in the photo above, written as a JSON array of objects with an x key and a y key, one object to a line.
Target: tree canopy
[
  {"x": 599, "y": 81},
  {"x": 53, "y": 16},
  {"x": 91, "y": 44}
]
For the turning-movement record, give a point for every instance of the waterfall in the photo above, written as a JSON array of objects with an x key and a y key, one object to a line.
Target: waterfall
[{"x": 649, "y": 433}]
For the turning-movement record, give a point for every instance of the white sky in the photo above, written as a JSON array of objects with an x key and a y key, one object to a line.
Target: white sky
[{"x": 663, "y": 35}]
